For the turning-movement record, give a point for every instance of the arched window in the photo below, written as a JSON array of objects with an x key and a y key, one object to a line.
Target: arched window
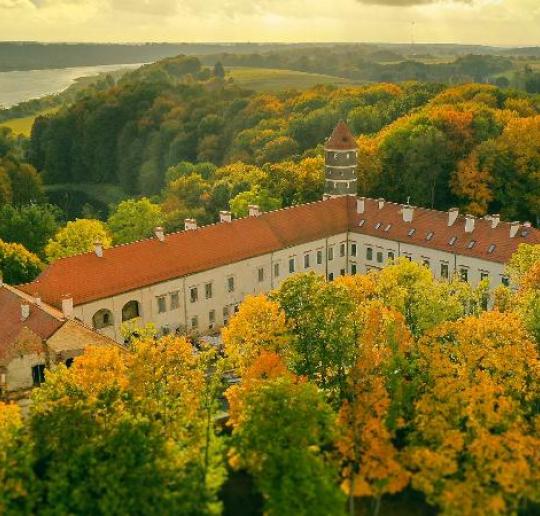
[
  {"x": 130, "y": 310},
  {"x": 102, "y": 319}
]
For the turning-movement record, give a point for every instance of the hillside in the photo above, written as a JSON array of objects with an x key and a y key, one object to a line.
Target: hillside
[{"x": 151, "y": 133}]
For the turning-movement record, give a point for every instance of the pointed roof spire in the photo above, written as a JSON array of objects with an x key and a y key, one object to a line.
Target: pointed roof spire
[{"x": 341, "y": 138}]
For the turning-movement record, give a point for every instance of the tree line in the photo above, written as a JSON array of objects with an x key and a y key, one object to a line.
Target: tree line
[{"x": 389, "y": 385}]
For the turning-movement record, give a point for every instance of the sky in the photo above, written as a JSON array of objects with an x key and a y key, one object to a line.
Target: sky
[{"x": 491, "y": 22}]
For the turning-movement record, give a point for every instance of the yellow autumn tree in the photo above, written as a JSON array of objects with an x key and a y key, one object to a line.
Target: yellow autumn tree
[
  {"x": 475, "y": 447},
  {"x": 17, "y": 480},
  {"x": 258, "y": 326},
  {"x": 372, "y": 414},
  {"x": 141, "y": 440}
]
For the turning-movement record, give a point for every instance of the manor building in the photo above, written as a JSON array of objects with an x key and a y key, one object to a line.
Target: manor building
[{"x": 194, "y": 280}]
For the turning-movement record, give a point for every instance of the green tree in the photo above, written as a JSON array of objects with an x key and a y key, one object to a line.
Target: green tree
[
  {"x": 77, "y": 237},
  {"x": 17, "y": 264},
  {"x": 285, "y": 453},
  {"x": 258, "y": 196},
  {"x": 141, "y": 443},
  {"x": 31, "y": 225},
  {"x": 134, "y": 219}
]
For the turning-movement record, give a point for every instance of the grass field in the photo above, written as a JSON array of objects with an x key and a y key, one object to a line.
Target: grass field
[
  {"x": 270, "y": 79},
  {"x": 24, "y": 125}
]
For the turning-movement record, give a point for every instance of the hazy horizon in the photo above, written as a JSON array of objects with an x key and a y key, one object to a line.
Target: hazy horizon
[{"x": 476, "y": 22}]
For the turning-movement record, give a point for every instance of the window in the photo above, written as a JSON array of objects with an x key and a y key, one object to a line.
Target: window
[
  {"x": 208, "y": 291},
  {"x": 453, "y": 240},
  {"x": 291, "y": 265},
  {"x": 260, "y": 274},
  {"x": 130, "y": 311},
  {"x": 379, "y": 256},
  {"x": 230, "y": 284},
  {"x": 175, "y": 301},
  {"x": 484, "y": 275},
  {"x": 165, "y": 330},
  {"x": 330, "y": 254},
  {"x": 276, "y": 270},
  {"x": 193, "y": 294},
  {"x": 387, "y": 228},
  {"x": 225, "y": 314},
  {"x": 212, "y": 318},
  {"x": 369, "y": 253},
  {"x": 353, "y": 249},
  {"x": 464, "y": 273},
  {"x": 408, "y": 257},
  {"x": 470, "y": 245},
  {"x": 102, "y": 319},
  {"x": 491, "y": 248},
  {"x": 69, "y": 362},
  {"x": 361, "y": 223},
  {"x": 306, "y": 261},
  {"x": 505, "y": 281},
  {"x": 162, "y": 304},
  {"x": 391, "y": 255},
  {"x": 342, "y": 272},
  {"x": 444, "y": 270},
  {"x": 319, "y": 257},
  {"x": 331, "y": 276},
  {"x": 353, "y": 268},
  {"x": 194, "y": 322},
  {"x": 342, "y": 250},
  {"x": 411, "y": 232},
  {"x": 429, "y": 236},
  {"x": 425, "y": 262},
  {"x": 38, "y": 374}
]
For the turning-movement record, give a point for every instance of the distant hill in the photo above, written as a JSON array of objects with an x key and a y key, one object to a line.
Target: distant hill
[{"x": 35, "y": 55}]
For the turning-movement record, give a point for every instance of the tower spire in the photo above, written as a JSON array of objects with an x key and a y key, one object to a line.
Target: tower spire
[{"x": 340, "y": 160}]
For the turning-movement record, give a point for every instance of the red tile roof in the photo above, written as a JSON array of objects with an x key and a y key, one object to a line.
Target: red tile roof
[
  {"x": 426, "y": 221},
  {"x": 341, "y": 138},
  {"x": 42, "y": 321},
  {"x": 128, "y": 267}
]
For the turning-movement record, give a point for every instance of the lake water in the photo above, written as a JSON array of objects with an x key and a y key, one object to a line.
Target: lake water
[{"x": 16, "y": 87}]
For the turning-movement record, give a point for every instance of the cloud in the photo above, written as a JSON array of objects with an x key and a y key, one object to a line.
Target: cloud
[{"x": 409, "y": 3}]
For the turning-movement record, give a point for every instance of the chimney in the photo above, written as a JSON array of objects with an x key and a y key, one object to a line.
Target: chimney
[
  {"x": 408, "y": 212},
  {"x": 98, "y": 249},
  {"x": 495, "y": 219},
  {"x": 190, "y": 224},
  {"x": 469, "y": 223},
  {"x": 159, "y": 233},
  {"x": 452, "y": 215},
  {"x": 514, "y": 227},
  {"x": 37, "y": 298},
  {"x": 360, "y": 205},
  {"x": 67, "y": 306},
  {"x": 25, "y": 311},
  {"x": 254, "y": 210},
  {"x": 225, "y": 216},
  {"x": 380, "y": 203}
]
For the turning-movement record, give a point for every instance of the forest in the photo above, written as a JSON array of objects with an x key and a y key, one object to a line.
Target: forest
[{"x": 386, "y": 393}]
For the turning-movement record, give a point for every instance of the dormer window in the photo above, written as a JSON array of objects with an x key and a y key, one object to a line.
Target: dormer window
[
  {"x": 411, "y": 232},
  {"x": 429, "y": 236},
  {"x": 453, "y": 240},
  {"x": 387, "y": 228},
  {"x": 491, "y": 248},
  {"x": 471, "y": 244},
  {"x": 361, "y": 223},
  {"x": 378, "y": 225}
]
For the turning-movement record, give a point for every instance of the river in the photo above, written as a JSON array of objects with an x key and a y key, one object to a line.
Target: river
[{"x": 17, "y": 86}]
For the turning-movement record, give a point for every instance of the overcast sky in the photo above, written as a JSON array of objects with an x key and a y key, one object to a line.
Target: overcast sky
[{"x": 498, "y": 22}]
